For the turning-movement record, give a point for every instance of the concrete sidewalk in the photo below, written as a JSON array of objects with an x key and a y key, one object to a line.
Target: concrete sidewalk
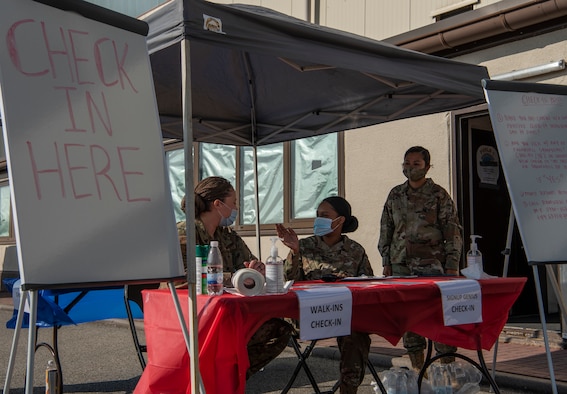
[{"x": 521, "y": 362}]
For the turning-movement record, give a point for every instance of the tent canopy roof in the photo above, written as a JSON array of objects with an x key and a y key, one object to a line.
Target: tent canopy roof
[{"x": 260, "y": 77}]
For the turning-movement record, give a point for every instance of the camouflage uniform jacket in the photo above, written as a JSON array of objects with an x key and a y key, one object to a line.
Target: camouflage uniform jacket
[
  {"x": 233, "y": 249},
  {"x": 420, "y": 227},
  {"x": 316, "y": 258}
]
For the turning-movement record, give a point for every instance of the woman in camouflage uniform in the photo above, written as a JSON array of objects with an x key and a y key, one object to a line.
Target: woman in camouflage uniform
[
  {"x": 331, "y": 252},
  {"x": 215, "y": 211},
  {"x": 420, "y": 234}
]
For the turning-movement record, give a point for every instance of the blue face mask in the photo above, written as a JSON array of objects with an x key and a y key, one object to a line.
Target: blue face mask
[
  {"x": 229, "y": 220},
  {"x": 323, "y": 226}
]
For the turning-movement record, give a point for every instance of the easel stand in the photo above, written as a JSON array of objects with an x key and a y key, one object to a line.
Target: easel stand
[
  {"x": 556, "y": 290},
  {"x": 190, "y": 341},
  {"x": 32, "y": 336}
]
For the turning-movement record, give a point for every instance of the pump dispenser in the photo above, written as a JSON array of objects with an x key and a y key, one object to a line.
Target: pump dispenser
[
  {"x": 474, "y": 257},
  {"x": 474, "y": 268},
  {"x": 274, "y": 270}
]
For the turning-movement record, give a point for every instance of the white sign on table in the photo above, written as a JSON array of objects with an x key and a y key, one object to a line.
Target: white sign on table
[
  {"x": 461, "y": 300},
  {"x": 324, "y": 312}
]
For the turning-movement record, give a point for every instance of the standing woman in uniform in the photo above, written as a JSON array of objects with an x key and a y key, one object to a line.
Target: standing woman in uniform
[
  {"x": 420, "y": 234},
  {"x": 331, "y": 252}
]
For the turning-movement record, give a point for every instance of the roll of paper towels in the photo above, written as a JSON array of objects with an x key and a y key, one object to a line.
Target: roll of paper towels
[{"x": 248, "y": 282}]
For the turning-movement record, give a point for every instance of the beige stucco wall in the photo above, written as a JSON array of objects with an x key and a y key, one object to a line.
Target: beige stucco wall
[{"x": 373, "y": 165}]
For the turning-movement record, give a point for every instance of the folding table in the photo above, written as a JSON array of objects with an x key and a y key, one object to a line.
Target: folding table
[{"x": 226, "y": 323}]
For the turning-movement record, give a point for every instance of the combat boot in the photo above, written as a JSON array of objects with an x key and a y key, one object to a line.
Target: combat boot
[
  {"x": 447, "y": 359},
  {"x": 417, "y": 360}
]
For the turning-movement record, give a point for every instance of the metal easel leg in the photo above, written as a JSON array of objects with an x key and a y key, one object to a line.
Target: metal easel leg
[
  {"x": 15, "y": 340},
  {"x": 31, "y": 341},
  {"x": 544, "y": 328},
  {"x": 190, "y": 342}
]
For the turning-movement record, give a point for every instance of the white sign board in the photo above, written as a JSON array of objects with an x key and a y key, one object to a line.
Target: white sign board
[
  {"x": 530, "y": 127},
  {"x": 90, "y": 197},
  {"x": 324, "y": 312},
  {"x": 461, "y": 300}
]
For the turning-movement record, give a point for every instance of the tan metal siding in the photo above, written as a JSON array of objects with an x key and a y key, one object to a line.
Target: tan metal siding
[
  {"x": 295, "y": 8},
  {"x": 344, "y": 15},
  {"x": 386, "y": 18}
]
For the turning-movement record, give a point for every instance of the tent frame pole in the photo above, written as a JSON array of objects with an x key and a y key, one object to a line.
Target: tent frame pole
[
  {"x": 257, "y": 203},
  {"x": 193, "y": 347}
]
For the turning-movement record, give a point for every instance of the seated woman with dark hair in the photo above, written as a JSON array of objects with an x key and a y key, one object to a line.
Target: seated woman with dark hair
[{"x": 329, "y": 251}]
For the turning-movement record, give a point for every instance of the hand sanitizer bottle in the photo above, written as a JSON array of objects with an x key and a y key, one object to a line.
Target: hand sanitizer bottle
[
  {"x": 474, "y": 257},
  {"x": 274, "y": 271}
]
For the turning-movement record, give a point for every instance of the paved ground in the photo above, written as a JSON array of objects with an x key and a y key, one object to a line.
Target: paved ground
[{"x": 99, "y": 358}]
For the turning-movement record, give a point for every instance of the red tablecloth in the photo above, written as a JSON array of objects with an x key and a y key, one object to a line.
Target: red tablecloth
[{"x": 226, "y": 323}]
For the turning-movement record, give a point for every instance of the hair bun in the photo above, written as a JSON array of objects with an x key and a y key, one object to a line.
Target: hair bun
[{"x": 351, "y": 224}]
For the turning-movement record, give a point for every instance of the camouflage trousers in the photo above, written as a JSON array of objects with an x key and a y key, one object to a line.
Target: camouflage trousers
[
  {"x": 267, "y": 343},
  {"x": 413, "y": 342},
  {"x": 354, "y": 350}
]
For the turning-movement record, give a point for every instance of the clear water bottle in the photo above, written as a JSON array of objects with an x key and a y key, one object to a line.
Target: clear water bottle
[{"x": 214, "y": 270}]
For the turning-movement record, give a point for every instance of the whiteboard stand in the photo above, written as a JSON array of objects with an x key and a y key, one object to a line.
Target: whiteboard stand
[
  {"x": 553, "y": 281},
  {"x": 544, "y": 326},
  {"x": 15, "y": 340},
  {"x": 190, "y": 341},
  {"x": 33, "y": 295},
  {"x": 528, "y": 119}
]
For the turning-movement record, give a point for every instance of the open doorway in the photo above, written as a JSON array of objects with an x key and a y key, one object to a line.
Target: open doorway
[{"x": 484, "y": 207}]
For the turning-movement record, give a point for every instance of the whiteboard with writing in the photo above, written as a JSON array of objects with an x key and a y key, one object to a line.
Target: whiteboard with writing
[
  {"x": 90, "y": 196},
  {"x": 530, "y": 127}
]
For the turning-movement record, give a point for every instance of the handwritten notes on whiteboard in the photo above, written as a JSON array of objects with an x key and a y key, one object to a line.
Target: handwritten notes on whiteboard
[
  {"x": 83, "y": 142},
  {"x": 530, "y": 126}
]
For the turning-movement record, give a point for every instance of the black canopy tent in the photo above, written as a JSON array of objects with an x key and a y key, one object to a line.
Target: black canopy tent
[
  {"x": 260, "y": 77},
  {"x": 246, "y": 75}
]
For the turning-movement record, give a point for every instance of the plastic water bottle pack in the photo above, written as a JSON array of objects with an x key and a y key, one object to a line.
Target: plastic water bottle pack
[
  {"x": 457, "y": 377},
  {"x": 398, "y": 380}
]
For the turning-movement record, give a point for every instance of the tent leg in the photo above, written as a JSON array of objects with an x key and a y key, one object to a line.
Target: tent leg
[{"x": 257, "y": 204}]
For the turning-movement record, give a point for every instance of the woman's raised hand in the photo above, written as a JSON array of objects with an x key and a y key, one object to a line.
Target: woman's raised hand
[{"x": 288, "y": 237}]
